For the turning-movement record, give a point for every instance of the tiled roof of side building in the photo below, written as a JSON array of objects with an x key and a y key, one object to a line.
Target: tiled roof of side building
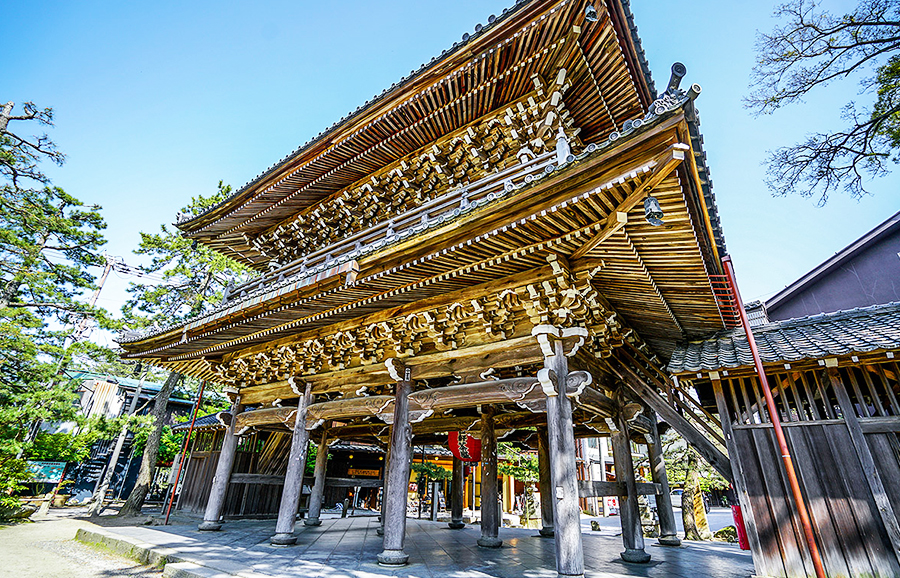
[
  {"x": 202, "y": 422},
  {"x": 856, "y": 331}
]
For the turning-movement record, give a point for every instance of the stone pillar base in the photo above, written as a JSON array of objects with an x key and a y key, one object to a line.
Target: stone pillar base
[
  {"x": 208, "y": 526},
  {"x": 393, "y": 558},
  {"x": 570, "y": 576},
  {"x": 669, "y": 541},
  {"x": 490, "y": 542},
  {"x": 546, "y": 532},
  {"x": 312, "y": 522},
  {"x": 457, "y": 525},
  {"x": 635, "y": 555},
  {"x": 283, "y": 539}
]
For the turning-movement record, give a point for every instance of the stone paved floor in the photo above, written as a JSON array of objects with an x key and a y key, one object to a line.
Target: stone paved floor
[{"x": 347, "y": 548}]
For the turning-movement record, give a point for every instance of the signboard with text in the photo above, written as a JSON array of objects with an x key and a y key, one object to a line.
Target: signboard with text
[{"x": 47, "y": 472}]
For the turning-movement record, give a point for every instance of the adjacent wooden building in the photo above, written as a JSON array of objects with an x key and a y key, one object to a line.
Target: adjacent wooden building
[
  {"x": 516, "y": 235},
  {"x": 830, "y": 344}
]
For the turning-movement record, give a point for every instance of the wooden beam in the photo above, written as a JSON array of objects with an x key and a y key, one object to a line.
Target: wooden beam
[
  {"x": 594, "y": 401},
  {"x": 666, "y": 163},
  {"x": 261, "y": 479},
  {"x": 701, "y": 443},
  {"x": 499, "y": 354},
  {"x": 353, "y": 482},
  {"x": 614, "y": 222},
  {"x": 603, "y": 489},
  {"x": 438, "y": 425},
  {"x": 500, "y": 391}
]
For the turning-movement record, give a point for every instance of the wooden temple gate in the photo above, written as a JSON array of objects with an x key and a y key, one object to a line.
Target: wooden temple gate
[{"x": 515, "y": 236}]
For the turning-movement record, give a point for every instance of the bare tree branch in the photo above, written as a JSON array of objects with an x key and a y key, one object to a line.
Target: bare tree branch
[{"x": 810, "y": 50}]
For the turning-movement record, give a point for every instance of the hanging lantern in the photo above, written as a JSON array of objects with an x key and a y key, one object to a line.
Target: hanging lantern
[
  {"x": 465, "y": 447},
  {"x": 652, "y": 211}
]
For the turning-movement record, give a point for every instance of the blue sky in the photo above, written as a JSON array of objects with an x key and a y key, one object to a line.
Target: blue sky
[{"x": 158, "y": 101}]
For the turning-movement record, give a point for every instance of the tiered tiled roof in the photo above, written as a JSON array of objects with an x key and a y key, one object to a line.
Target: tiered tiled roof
[{"x": 857, "y": 331}]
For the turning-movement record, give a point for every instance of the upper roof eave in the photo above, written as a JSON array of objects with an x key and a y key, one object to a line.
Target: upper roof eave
[{"x": 371, "y": 107}]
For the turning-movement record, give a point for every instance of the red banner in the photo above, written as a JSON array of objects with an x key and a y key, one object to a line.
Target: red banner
[{"x": 465, "y": 447}]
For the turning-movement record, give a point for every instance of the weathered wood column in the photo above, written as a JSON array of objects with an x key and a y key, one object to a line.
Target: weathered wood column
[
  {"x": 632, "y": 533},
  {"x": 556, "y": 344},
  {"x": 293, "y": 477},
  {"x": 545, "y": 484},
  {"x": 456, "y": 495},
  {"x": 398, "y": 470},
  {"x": 490, "y": 513},
  {"x": 223, "y": 474},
  {"x": 318, "y": 489},
  {"x": 668, "y": 533}
]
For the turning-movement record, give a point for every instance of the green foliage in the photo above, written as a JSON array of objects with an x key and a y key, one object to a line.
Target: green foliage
[
  {"x": 810, "y": 49},
  {"x": 170, "y": 443},
  {"x": 887, "y": 105},
  {"x": 49, "y": 248},
  {"x": 521, "y": 465},
  {"x": 61, "y": 447},
  {"x": 429, "y": 472},
  {"x": 13, "y": 473},
  {"x": 311, "y": 452},
  {"x": 21, "y": 407},
  {"x": 675, "y": 453}
]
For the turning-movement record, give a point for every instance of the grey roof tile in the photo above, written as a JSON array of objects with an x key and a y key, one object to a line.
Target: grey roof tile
[{"x": 854, "y": 331}]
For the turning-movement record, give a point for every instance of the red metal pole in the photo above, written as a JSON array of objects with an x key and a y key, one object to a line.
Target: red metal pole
[
  {"x": 776, "y": 422},
  {"x": 187, "y": 439}
]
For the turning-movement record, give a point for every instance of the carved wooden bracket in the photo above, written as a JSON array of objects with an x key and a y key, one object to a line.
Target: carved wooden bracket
[
  {"x": 572, "y": 338},
  {"x": 576, "y": 382}
]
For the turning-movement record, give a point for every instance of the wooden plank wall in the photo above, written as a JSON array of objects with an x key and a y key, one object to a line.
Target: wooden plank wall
[
  {"x": 849, "y": 531},
  {"x": 255, "y": 455},
  {"x": 852, "y": 533}
]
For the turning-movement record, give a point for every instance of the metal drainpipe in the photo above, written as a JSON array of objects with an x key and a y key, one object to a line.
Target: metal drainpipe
[{"x": 776, "y": 423}]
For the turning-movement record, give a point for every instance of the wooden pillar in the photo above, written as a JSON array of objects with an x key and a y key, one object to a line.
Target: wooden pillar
[
  {"x": 398, "y": 472},
  {"x": 668, "y": 533},
  {"x": 219, "y": 487},
  {"x": 318, "y": 490},
  {"x": 545, "y": 484},
  {"x": 561, "y": 434},
  {"x": 490, "y": 514},
  {"x": 293, "y": 477},
  {"x": 456, "y": 495},
  {"x": 630, "y": 515},
  {"x": 434, "y": 501}
]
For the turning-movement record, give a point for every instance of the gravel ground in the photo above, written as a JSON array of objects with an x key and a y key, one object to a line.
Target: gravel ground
[{"x": 46, "y": 548}]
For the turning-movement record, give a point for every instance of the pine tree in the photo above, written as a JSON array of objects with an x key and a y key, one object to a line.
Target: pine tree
[
  {"x": 49, "y": 241},
  {"x": 194, "y": 278}
]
